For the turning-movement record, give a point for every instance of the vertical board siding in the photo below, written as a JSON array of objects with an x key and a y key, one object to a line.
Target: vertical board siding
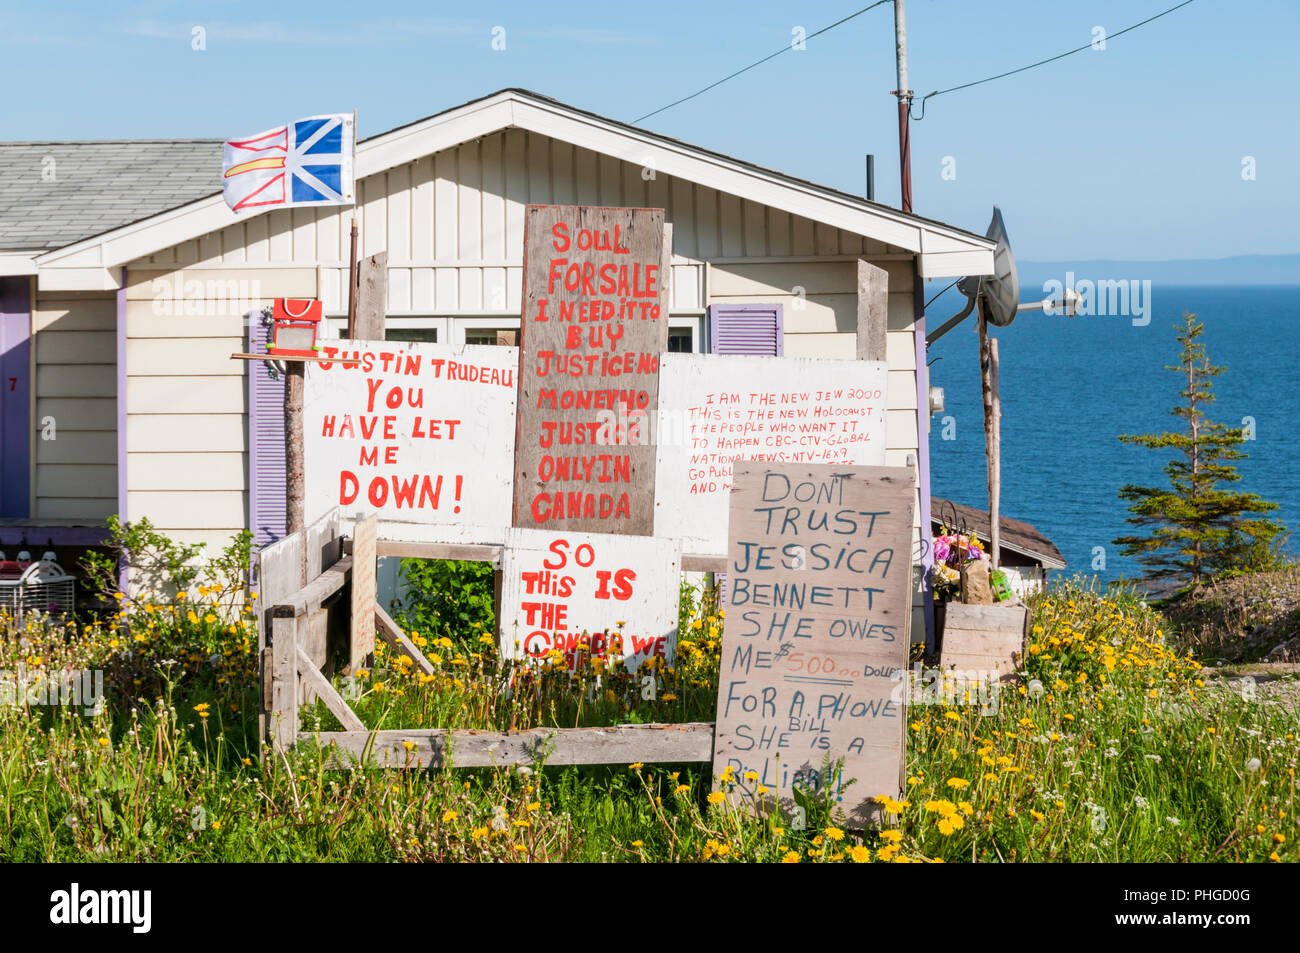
[{"x": 452, "y": 224}]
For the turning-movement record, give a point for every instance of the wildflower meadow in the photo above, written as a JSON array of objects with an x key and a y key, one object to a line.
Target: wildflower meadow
[{"x": 1109, "y": 745}]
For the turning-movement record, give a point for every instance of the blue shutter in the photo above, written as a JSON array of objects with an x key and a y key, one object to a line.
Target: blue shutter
[
  {"x": 746, "y": 329},
  {"x": 756, "y": 329},
  {"x": 266, "y": 480}
]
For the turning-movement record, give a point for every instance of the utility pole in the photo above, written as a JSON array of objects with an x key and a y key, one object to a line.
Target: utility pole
[{"x": 904, "y": 94}]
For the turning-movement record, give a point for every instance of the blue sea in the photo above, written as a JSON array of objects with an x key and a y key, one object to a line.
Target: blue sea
[{"x": 1071, "y": 386}]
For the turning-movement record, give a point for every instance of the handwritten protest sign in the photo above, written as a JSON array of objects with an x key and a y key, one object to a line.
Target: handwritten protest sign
[
  {"x": 595, "y": 322},
  {"x": 717, "y": 409},
  {"x": 615, "y": 595},
  {"x": 418, "y": 433},
  {"x": 815, "y": 639}
]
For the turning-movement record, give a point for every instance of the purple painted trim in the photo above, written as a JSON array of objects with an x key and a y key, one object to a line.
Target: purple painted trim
[
  {"x": 250, "y": 428},
  {"x": 37, "y": 535},
  {"x": 730, "y": 310},
  {"x": 122, "y": 572},
  {"x": 16, "y": 422},
  {"x": 923, "y": 451}
]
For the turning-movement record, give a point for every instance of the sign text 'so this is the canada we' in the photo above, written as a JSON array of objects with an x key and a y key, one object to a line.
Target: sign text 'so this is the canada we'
[{"x": 594, "y": 324}]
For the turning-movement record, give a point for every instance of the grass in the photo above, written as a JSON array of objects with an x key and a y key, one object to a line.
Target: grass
[
  {"x": 1242, "y": 618},
  {"x": 1107, "y": 747}
]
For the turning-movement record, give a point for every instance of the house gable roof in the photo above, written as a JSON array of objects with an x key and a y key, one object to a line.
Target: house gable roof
[{"x": 945, "y": 251}]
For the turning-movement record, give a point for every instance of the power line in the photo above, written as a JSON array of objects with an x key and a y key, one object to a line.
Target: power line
[
  {"x": 1050, "y": 59},
  {"x": 761, "y": 62}
]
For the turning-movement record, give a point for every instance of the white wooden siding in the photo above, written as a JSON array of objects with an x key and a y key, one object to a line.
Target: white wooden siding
[
  {"x": 75, "y": 474},
  {"x": 186, "y": 427},
  {"x": 452, "y": 224}
]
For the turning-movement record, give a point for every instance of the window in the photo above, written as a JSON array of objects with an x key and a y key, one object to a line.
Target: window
[
  {"x": 685, "y": 332},
  {"x": 506, "y": 337},
  {"x": 681, "y": 340},
  {"x": 429, "y": 335}
]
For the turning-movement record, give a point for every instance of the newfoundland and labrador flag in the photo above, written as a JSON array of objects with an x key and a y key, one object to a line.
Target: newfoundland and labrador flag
[{"x": 308, "y": 162}]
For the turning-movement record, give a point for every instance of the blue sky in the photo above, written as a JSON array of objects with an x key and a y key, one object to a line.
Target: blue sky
[{"x": 1131, "y": 152}]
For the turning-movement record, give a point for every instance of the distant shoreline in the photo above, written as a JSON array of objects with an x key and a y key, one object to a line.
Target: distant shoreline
[{"x": 1239, "y": 270}]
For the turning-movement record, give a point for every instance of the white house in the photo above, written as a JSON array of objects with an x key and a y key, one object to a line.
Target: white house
[{"x": 125, "y": 281}]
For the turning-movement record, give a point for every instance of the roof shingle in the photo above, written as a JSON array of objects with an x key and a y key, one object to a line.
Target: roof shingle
[{"x": 56, "y": 193}]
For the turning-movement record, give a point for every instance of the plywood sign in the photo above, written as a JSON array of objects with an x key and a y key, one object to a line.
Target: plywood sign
[
  {"x": 718, "y": 409},
  {"x": 616, "y": 595},
  {"x": 594, "y": 324},
  {"x": 815, "y": 639},
  {"x": 419, "y": 433}
]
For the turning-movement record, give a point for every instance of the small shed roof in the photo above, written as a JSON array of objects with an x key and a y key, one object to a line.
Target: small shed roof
[
  {"x": 1016, "y": 535},
  {"x": 55, "y": 193}
]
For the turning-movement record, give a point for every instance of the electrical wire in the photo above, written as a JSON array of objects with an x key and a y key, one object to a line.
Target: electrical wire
[
  {"x": 936, "y": 297},
  {"x": 1050, "y": 59},
  {"x": 760, "y": 62}
]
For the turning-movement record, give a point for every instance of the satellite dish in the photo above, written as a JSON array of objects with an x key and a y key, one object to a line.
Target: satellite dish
[{"x": 1001, "y": 290}]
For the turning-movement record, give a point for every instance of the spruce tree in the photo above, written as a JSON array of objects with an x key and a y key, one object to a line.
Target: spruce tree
[{"x": 1197, "y": 529}]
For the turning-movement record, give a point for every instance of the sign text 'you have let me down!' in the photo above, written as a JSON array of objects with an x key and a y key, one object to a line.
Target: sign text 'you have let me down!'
[{"x": 413, "y": 432}]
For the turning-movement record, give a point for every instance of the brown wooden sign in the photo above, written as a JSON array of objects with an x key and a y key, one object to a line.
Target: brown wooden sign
[
  {"x": 595, "y": 321},
  {"x": 815, "y": 638}
]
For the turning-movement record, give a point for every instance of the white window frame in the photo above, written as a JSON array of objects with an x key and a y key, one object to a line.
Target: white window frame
[{"x": 451, "y": 328}]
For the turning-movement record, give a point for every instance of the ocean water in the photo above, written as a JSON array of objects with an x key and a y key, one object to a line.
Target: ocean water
[{"x": 1071, "y": 386}]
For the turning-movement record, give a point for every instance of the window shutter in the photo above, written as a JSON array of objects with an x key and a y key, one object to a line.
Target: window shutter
[
  {"x": 266, "y": 480},
  {"x": 755, "y": 329},
  {"x": 746, "y": 329}
]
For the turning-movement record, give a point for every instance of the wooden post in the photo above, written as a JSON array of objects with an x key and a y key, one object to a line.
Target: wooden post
[
  {"x": 352, "y": 279},
  {"x": 992, "y": 431},
  {"x": 284, "y": 684},
  {"x": 873, "y": 311},
  {"x": 362, "y": 644},
  {"x": 295, "y": 494},
  {"x": 372, "y": 297}
]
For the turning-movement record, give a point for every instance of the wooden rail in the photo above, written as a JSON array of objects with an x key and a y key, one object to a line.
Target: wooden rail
[{"x": 467, "y": 748}]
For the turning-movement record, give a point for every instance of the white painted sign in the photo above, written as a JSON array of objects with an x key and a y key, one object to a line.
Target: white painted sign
[
  {"x": 616, "y": 595},
  {"x": 417, "y": 433},
  {"x": 715, "y": 409}
]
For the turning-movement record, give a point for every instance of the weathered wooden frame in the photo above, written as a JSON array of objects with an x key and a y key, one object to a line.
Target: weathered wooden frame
[{"x": 292, "y": 675}]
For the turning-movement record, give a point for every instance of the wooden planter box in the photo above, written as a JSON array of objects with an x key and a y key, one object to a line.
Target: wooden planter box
[{"x": 982, "y": 638}]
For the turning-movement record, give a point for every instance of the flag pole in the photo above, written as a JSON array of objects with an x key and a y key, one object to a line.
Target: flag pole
[{"x": 352, "y": 259}]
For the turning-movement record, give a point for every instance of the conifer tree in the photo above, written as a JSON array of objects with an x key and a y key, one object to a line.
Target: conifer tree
[{"x": 1196, "y": 528}]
